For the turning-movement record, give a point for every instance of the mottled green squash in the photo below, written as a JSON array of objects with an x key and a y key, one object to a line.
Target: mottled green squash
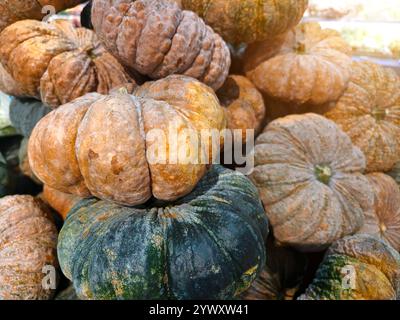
[{"x": 207, "y": 245}]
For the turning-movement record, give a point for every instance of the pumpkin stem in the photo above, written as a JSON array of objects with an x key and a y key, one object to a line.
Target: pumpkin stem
[
  {"x": 379, "y": 114},
  {"x": 323, "y": 173},
  {"x": 123, "y": 90},
  {"x": 300, "y": 47}
]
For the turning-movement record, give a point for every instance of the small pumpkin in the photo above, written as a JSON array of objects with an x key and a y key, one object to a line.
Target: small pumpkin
[
  {"x": 369, "y": 112},
  {"x": 359, "y": 267},
  {"x": 56, "y": 63},
  {"x": 106, "y": 145},
  {"x": 207, "y": 245},
  {"x": 310, "y": 179},
  {"x": 247, "y": 21},
  {"x": 61, "y": 202},
  {"x": 157, "y": 39},
  {"x": 28, "y": 241},
  {"x": 312, "y": 66}
]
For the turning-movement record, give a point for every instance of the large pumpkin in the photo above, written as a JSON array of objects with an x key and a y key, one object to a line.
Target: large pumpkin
[
  {"x": 28, "y": 240},
  {"x": 110, "y": 147},
  {"x": 310, "y": 178},
  {"x": 247, "y": 21},
  {"x": 369, "y": 112},
  {"x": 359, "y": 267},
  {"x": 207, "y": 245},
  {"x": 157, "y": 39},
  {"x": 56, "y": 62}
]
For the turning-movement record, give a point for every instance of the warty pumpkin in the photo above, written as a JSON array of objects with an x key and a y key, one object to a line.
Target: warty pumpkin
[
  {"x": 207, "y": 245},
  {"x": 28, "y": 241},
  {"x": 312, "y": 66},
  {"x": 61, "y": 202},
  {"x": 247, "y": 21},
  {"x": 100, "y": 145},
  {"x": 359, "y": 267},
  {"x": 369, "y": 112},
  {"x": 157, "y": 39},
  {"x": 310, "y": 179},
  {"x": 56, "y": 63}
]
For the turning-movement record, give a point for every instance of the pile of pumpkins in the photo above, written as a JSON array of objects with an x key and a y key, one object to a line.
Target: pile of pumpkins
[{"x": 317, "y": 218}]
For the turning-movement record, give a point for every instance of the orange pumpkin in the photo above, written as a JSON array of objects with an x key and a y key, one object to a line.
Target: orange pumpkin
[{"x": 61, "y": 202}]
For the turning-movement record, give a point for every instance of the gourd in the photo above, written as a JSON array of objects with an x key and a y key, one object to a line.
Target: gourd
[
  {"x": 56, "y": 63},
  {"x": 123, "y": 147},
  {"x": 312, "y": 66},
  {"x": 157, "y": 39},
  {"x": 359, "y": 267},
  {"x": 247, "y": 21},
  {"x": 369, "y": 113},
  {"x": 59, "y": 201},
  {"x": 310, "y": 179},
  {"x": 28, "y": 241},
  {"x": 207, "y": 245},
  {"x": 8, "y": 84}
]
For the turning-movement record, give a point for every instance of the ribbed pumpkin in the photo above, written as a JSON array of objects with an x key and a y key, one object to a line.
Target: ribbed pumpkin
[
  {"x": 310, "y": 178},
  {"x": 28, "y": 240},
  {"x": 61, "y": 202},
  {"x": 207, "y": 245},
  {"x": 247, "y": 21},
  {"x": 359, "y": 267},
  {"x": 56, "y": 62},
  {"x": 157, "y": 39},
  {"x": 312, "y": 66},
  {"x": 100, "y": 145},
  {"x": 369, "y": 112}
]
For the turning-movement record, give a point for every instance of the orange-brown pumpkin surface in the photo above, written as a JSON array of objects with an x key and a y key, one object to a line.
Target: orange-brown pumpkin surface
[
  {"x": 369, "y": 112},
  {"x": 310, "y": 179},
  {"x": 61, "y": 202},
  {"x": 106, "y": 145},
  {"x": 56, "y": 62}
]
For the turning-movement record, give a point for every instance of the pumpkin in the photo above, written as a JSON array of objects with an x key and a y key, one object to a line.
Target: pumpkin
[
  {"x": 8, "y": 84},
  {"x": 369, "y": 113},
  {"x": 24, "y": 165},
  {"x": 248, "y": 20},
  {"x": 67, "y": 294},
  {"x": 56, "y": 62},
  {"x": 312, "y": 66},
  {"x": 207, "y": 245},
  {"x": 359, "y": 267},
  {"x": 384, "y": 221},
  {"x": 110, "y": 146},
  {"x": 395, "y": 173},
  {"x": 157, "y": 39},
  {"x": 281, "y": 276},
  {"x": 59, "y": 201},
  {"x": 310, "y": 178},
  {"x": 27, "y": 244}
]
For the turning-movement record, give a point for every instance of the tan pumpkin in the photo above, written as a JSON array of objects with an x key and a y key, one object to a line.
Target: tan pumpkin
[
  {"x": 56, "y": 62},
  {"x": 109, "y": 146},
  {"x": 310, "y": 179},
  {"x": 247, "y": 21},
  {"x": 369, "y": 112},
  {"x": 312, "y": 66},
  {"x": 8, "y": 84},
  {"x": 28, "y": 242},
  {"x": 61, "y": 202}
]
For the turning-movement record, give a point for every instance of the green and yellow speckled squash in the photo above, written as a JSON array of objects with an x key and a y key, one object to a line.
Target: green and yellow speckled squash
[
  {"x": 207, "y": 245},
  {"x": 359, "y": 267}
]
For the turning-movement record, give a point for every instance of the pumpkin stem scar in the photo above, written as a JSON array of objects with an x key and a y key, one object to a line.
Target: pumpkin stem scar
[
  {"x": 379, "y": 114},
  {"x": 323, "y": 173},
  {"x": 123, "y": 90}
]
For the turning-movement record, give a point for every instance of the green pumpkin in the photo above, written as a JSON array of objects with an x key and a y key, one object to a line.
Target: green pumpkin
[
  {"x": 207, "y": 245},
  {"x": 359, "y": 267}
]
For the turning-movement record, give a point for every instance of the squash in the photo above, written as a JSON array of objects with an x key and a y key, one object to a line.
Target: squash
[
  {"x": 125, "y": 148},
  {"x": 28, "y": 240},
  {"x": 59, "y": 201},
  {"x": 157, "y": 39},
  {"x": 384, "y": 221},
  {"x": 369, "y": 113},
  {"x": 395, "y": 173},
  {"x": 312, "y": 66},
  {"x": 247, "y": 21},
  {"x": 207, "y": 245},
  {"x": 359, "y": 267},
  {"x": 310, "y": 179},
  {"x": 56, "y": 63},
  {"x": 8, "y": 84}
]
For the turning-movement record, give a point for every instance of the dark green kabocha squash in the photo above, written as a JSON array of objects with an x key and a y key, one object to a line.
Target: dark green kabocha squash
[{"x": 206, "y": 245}]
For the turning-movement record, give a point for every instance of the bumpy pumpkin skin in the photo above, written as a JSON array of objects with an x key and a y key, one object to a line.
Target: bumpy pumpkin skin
[
  {"x": 207, "y": 245},
  {"x": 384, "y": 221},
  {"x": 376, "y": 268},
  {"x": 61, "y": 202},
  {"x": 157, "y": 39},
  {"x": 247, "y": 21},
  {"x": 56, "y": 63},
  {"x": 310, "y": 179},
  {"x": 312, "y": 66},
  {"x": 369, "y": 112},
  {"x": 28, "y": 241}
]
